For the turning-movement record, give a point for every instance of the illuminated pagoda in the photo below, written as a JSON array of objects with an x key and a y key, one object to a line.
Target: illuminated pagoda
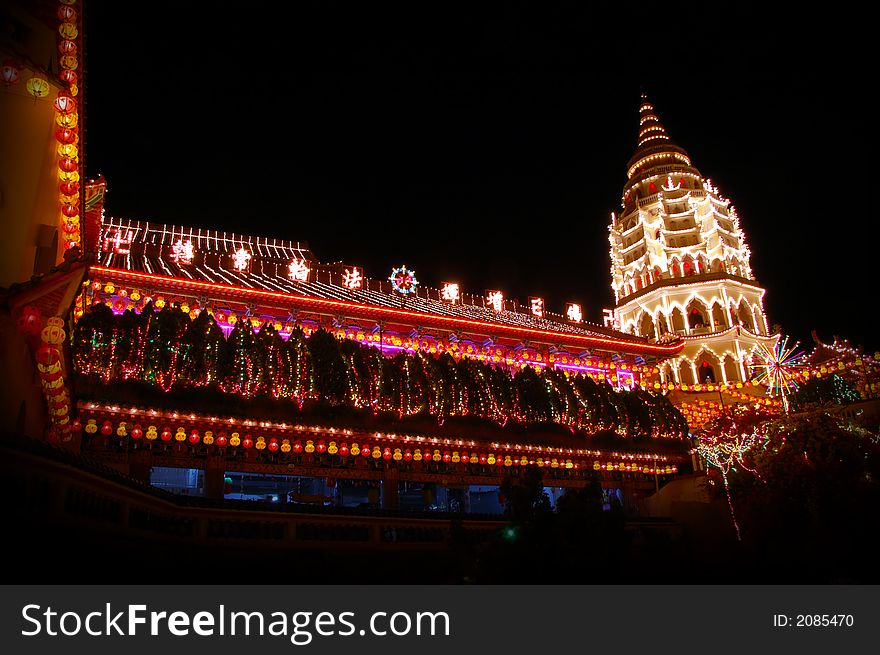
[
  {"x": 218, "y": 351},
  {"x": 680, "y": 265}
]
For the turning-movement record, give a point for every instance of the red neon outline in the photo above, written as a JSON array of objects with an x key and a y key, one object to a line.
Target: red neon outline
[{"x": 371, "y": 310}]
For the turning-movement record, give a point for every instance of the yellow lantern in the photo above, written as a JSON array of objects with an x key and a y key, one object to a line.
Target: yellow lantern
[
  {"x": 38, "y": 87},
  {"x": 235, "y": 439}
]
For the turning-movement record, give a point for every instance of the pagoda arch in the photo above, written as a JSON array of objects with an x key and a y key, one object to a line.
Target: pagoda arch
[
  {"x": 685, "y": 372},
  {"x": 718, "y": 318},
  {"x": 676, "y": 320},
  {"x": 708, "y": 367},
  {"x": 646, "y": 326},
  {"x": 746, "y": 318},
  {"x": 697, "y": 315},
  {"x": 731, "y": 368}
]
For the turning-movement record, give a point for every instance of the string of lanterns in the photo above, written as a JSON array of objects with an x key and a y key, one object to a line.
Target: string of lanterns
[
  {"x": 50, "y": 368},
  {"x": 67, "y": 133},
  {"x": 383, "y": 447}
]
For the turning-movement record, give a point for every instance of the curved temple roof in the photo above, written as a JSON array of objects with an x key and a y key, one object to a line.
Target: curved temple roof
[{"x": 202, "y": 261}]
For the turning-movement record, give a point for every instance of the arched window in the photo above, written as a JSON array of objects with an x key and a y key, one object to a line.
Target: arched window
[
  {"x": 706, "y": 372},
  {"x": 676, "y": 319}
]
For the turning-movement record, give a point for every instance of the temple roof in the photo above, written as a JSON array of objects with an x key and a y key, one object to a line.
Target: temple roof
[{"x": 150, "y": 253}]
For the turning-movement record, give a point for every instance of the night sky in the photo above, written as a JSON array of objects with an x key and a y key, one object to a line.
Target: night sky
[{"x": 487, "y": 143}]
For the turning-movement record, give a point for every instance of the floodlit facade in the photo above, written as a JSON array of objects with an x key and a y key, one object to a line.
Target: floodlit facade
[{"x": 680, "y": 264}]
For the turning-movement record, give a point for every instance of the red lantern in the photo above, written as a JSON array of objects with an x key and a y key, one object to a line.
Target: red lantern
[
  {"x": 343, "y": 449},
  {"x": 70, "y": 210},
  {"x": 107, "y": 429},
  {"x": 320, "y": 446},
  {"x": 66, "y": 14},
  {"x": 273, "y": 445},
  {"x": 407, "y": 455},
  {"x": 447, "y": 457},
  {"x": 137, "y": 432},
  {"x": 67, "y": 47},
  {"x": 30, "y": 321},
  {"x": 65, "y": 103},
  {"x": 166, "y": 435},
  {"x": 10, "y": 73},
  {"x": 222, "y": 440},
  {"x": 48, "y": 356},
  {"x": 67, "y": 165},
  {"x": 297, "y": 447},
  {"x": 68, "y": 188},
  {"x": 365, "y": 450},
  {"x": 194, "y": 437},
  {"x": 77, "y": 424},
  {"x": 247, "y": 442},
  {"x": 68, "y": 76},
  {"x": 483, "y": 459},
  {"x": 386, "y": 454}
]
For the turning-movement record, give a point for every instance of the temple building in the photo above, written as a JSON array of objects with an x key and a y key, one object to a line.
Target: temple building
[{"x": 680, "y": 265}]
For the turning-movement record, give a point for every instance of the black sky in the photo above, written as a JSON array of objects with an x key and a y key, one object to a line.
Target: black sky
[{"x": 487, "y": 143}]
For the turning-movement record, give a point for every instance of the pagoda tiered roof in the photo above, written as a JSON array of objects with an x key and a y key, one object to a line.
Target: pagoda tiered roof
[{"x": 144, "y": 253}]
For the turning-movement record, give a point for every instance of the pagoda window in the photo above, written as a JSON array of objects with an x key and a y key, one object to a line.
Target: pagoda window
[
  {"x": 731, "y": 369},
  {"x": 746, "y": 317},
  {"x": 676, "y": 320},
  {"x": 718, "y": 317},
  {"x": 686, "y": 372},
  {"x": 646, "y": 327},
  {"x": 696, "y": 316},
  {"x": 706, "y": 372}
]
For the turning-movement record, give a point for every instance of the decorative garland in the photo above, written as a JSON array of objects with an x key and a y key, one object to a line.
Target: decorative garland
[{"x": 170, "y": 351}]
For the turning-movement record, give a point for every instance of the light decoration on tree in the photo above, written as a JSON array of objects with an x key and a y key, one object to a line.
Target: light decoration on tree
[
  {"x": 299, "y": 270},
  {"x": 450, "y": 293},
  {"x": 495, "y": 300},
  {"x": 537, "y": 306},
  {"x": 353, "y": 278},
  {"x": 725, "y": 446},
  {"x": 241, "y": 260},
  {"x": 778, "y": 368},
  {"x": 403, "y": 281},
  {"x": 574, "y": 312},
  {"x": 182, "y": 252}
]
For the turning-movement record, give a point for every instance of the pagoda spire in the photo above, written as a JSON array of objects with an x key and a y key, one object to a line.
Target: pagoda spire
[
  {"x": 654, "y": 147},
  {"x": 651, "y": 130}
]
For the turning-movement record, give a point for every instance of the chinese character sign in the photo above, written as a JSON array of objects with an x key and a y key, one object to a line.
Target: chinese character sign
[
  {"x": 495, "y": 300},
  {"x": 352, "y": 278},
  {"x": 298, "y": 271},
  {"x": 449, "y": 292},
  {"x": 182, "y": 252},
  {"x": 240, "y": 259},
  {"x": 537, "y": 306},
  {"x": 574, "y": 312},
  {"x": 609, "y": 319},
  {"x": 114, "y": 240}
]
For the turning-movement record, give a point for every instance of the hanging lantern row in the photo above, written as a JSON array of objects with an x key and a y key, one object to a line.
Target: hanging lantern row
[
  {"x": 50, "y": 371},
  {"x": 67, "y": 119},
  {"x": 365, "y": 450}
]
